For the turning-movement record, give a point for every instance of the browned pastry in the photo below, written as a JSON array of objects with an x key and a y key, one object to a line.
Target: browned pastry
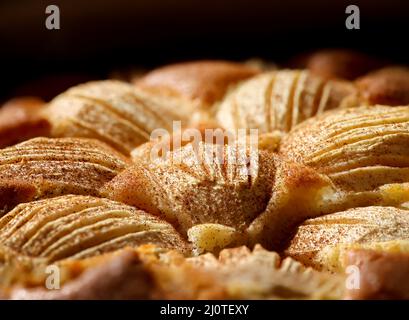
[
  {"x": 23, "y": 277},
  {"x": 114, "y": 112},
  {"x": 221, "y": 195},
  {"x": 337, "y": 63},
  {"x": 278, "y": 100},
  {"x": 46, "y": 167},
  {"x": 323, "y": 242},
  {"x": 383, "y": 275},
  {"x": 77, "y": 227},
  {"x": 122, "y": 276},
  {"x": 388, "y": 86},
  {"x": 151, "y": 273},
  {"x": 21, "y": 119},
  {"x": 205, "y": 82},
  {"x": 364, "y": 151}
]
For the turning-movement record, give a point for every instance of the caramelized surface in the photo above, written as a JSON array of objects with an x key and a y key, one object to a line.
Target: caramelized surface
[
  {"x": 322, "y": 242},
  {"x": 114, "y": 112},
  {"x": 278, "y": 100},
  {"x": 189, "y": 187},
  {"x": 364, "y": 151}
]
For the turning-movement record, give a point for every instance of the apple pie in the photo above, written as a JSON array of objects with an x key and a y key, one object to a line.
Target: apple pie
[{"x": 88, "y": 188}]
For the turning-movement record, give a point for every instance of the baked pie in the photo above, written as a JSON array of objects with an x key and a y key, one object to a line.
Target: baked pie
[
  {"x": 325, "y": 186},
  {"x": 148, "y": 272}
]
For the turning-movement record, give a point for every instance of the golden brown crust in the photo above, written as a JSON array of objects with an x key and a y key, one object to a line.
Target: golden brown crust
[
  {"x": 388, "y": 86},
  {"x": 77, "y": 227},
  {"x": 149, "y": 273},
  {"x": 204, "y": 197},
  {"x": 21, "y": 119},
  {"x": 322, "y": 242},
  {"x": 122, "y": 276},
  {"x": 337, "y": 63},
  {"x": 203, "y": 81},
  {"x": 51, "y": 167},
  {"x": 383, "y": 275},
  {"x": 114, "y": 112},
  {"x": 298, "y": 193},
  {"x": 279, "y": 100}
]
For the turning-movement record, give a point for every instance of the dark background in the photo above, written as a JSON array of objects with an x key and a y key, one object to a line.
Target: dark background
[{"x": 97, "y": 37}]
